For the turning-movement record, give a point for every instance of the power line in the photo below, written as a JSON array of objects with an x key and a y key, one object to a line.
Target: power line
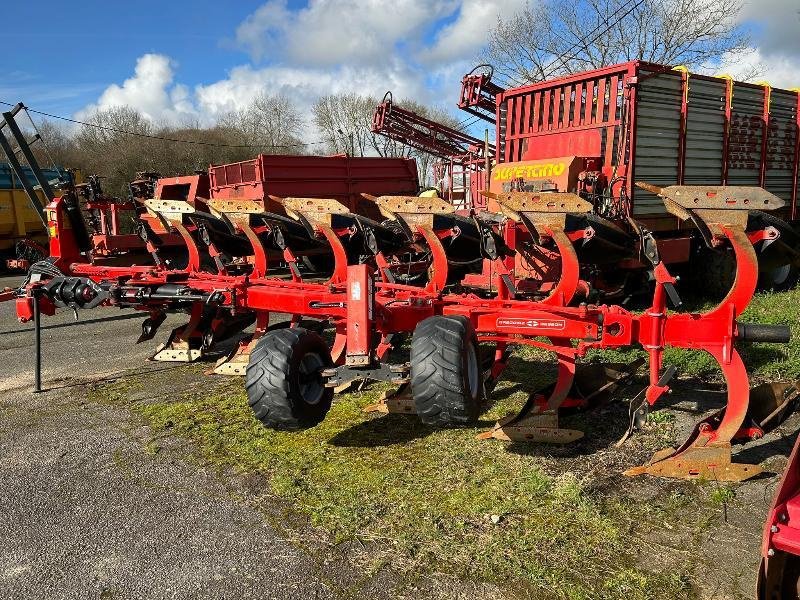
[
  {"x": 468, "y": 121},
  {"x": 565, "y": 55},
  {"x": 164, "y": 138},
  {"x": 472, "y": 122}
]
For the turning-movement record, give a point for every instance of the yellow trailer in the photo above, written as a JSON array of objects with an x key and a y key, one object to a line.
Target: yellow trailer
[{"x": 19, "y": 220}]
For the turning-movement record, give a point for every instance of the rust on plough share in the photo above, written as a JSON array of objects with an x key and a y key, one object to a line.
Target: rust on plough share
[{"x": 236, "y": 274}]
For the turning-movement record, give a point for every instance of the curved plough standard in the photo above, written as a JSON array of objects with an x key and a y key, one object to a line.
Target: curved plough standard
[{"x": 291, "y": 373}]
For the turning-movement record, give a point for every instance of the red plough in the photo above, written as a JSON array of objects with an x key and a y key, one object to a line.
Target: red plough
[{"x": 292, "y": 372}]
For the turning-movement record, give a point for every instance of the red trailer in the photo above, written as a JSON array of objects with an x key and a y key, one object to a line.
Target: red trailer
[
  {"x": 598, "y": 132},
  {"x": 340, "y": 177},
  {"x": 659, "y": 124}
]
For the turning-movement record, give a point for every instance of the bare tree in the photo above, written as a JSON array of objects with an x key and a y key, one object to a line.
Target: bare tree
[
  {"x": 271, "y": 122},
  {"x": 107, "y": 148},
  {"x": 200, "y": 148},
  {"x": 56, "y": 147},
  {"x": 118, "y": 142},
  {"x": 557, "y": 37},
  {"x": 345, "y": 121}
]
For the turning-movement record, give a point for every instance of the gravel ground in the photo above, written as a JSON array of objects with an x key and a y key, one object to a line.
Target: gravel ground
[{"x": 92, "y": 510}]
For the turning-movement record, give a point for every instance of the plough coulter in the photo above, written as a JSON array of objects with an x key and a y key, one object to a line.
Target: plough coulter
[{"x": 412, "y": 275}]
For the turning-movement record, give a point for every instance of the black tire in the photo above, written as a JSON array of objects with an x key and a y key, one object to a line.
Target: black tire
[
  {"x": 285, "y": 387},
  {"x": 713, "y": 272},
  {"x": 445, "y": 372},
  {"x": 779, "y": 279}
]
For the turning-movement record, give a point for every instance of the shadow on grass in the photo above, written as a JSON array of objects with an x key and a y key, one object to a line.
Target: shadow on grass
[
  {"x": 385, "y": 430},
  {"x": 758, "y": 356},
  {"x": 602, "y": 427},
  {"x": 389, "y": 430}
]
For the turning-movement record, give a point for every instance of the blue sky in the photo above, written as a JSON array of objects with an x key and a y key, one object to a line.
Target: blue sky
[
  {"x": 69, "y": 54},
  {"x": 179, "y": 61}
]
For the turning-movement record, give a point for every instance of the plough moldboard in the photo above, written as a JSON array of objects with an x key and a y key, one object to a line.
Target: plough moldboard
[{"x": 415, "y": 273}]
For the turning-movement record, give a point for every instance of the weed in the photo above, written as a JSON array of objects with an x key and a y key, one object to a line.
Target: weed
[
  {"x": 721, "y": 495},
  {"x": 660, "y": 417}
]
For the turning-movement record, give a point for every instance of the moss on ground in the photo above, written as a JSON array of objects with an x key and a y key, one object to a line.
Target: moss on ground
[
  {"x": 426, "y": 500},
  {"x": 439, "y": 501}
]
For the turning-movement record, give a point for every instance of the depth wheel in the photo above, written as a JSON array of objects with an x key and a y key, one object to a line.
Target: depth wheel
[
  {"x": 285, "y": 387},
  {"x": 445, "y": 372}
]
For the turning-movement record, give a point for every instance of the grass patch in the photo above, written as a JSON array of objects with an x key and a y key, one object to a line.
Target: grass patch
[
  {"x": 660, "y": 417},
  {"x": 438, "y": 501},
  {"x": 722, "y": 494},
  {"x": 433, "y": 500}
]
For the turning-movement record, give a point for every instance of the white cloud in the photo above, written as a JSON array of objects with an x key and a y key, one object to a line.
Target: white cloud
[
  {"x": 463, "y": 37},
  {"x": 330, "y": 46},
  {"x": 777, "y": 30},
  {"x": 774, "y": 55},
  {"x": 303, "y": 85},
  {"x": 258, "y": 30},
  {"x": 150, "y": 91},
  {"x": 370, "y": 46},
  {"x": 752, "y": 65},
  {"x": 332, "y": 32}
]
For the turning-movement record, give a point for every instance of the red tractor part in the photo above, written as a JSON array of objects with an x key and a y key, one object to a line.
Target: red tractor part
[
  {"x": 479, "y": 93},
  {"x": 429, "y": 223},
  {"x": 779, "y": 572},
  {"x": 460, "y": 171}
]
